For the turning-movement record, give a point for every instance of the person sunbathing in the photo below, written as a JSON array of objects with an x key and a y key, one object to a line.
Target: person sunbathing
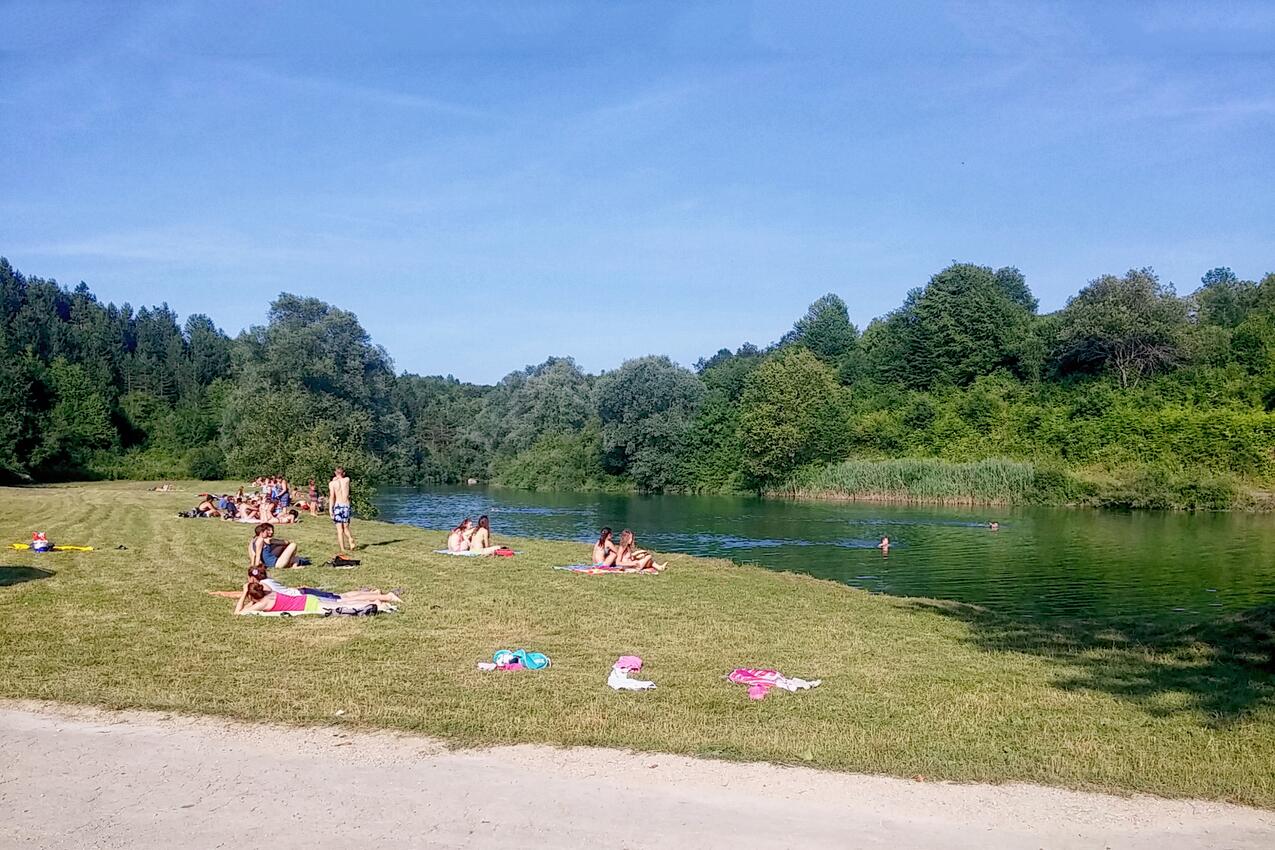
[
  {"x": 362, "y": 596},
  {"x": 265, "y": 551},
  {"x": 630, "y": 557},
  {"x": 458, "y": 540},
  {"x": 255, "y": 598},
  {"x": 480, "y": 537},
  {"x": 206, "y": 507},
  {"x": 604, "y": 550}
]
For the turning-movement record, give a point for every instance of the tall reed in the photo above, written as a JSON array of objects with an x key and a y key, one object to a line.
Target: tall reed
[{"x": 990, "y": 481}]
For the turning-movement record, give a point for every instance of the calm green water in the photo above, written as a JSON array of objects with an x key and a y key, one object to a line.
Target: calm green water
[{"x": 1148, "y": 567}]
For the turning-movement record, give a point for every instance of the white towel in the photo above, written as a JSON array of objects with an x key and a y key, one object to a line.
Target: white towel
[{"x": 620, "y": 681}]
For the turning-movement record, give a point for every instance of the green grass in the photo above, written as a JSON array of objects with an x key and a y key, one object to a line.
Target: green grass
[{"x": 910, "y": 687}]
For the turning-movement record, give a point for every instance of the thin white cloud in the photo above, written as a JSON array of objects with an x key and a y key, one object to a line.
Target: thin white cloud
[{"x": 334, "y": 88}]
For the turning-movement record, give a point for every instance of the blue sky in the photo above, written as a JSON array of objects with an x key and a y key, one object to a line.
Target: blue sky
[{"x": 488, "y": 184}]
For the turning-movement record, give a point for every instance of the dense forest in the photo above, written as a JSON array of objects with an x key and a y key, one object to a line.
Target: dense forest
[{"x": 1129, "y": 395}]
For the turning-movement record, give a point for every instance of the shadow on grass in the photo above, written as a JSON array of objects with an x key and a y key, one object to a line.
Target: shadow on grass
[
  {"x": 382, "y": 543},
  {"x": 1224, "y": 669},
  {"x": 17, "y": 575}
]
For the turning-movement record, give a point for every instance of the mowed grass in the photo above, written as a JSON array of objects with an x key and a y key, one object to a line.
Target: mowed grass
[{"x": 908, "y": 689}]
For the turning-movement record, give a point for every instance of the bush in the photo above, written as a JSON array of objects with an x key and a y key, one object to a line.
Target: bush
[{"x": 207, "y": 463}]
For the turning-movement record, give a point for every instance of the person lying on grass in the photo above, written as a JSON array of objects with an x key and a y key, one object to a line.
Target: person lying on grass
[
  {"x": 354, "y": 597},
  {"x": 458, "y": 540},
  {"x": 350, "y": 597},
  {"x": 206, "y": 507},
  {"x": 255, "y": 598},
  {"x": 480, "y": 537},
  {"x": 630, "y": 557},
  {"x": 265, "y": 551}
]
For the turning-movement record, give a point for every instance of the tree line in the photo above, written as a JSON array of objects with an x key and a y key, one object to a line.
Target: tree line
[{"x": 1129, "y": 389}]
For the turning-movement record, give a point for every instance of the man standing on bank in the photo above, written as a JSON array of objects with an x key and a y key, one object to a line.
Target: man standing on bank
[{"x": 339, "y": 507}]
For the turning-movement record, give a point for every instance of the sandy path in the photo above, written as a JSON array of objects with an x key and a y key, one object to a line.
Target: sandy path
[{"x": 81, "y": 778}]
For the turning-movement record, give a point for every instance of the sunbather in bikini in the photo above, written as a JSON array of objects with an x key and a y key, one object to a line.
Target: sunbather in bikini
[
  {"x": 480, "y": 537},
  {"x": 458, "y": 540},
  {"x": 255, "y": 598},
  {"x": 632, "y": 558},
  {"x": 604, "y": 550}
]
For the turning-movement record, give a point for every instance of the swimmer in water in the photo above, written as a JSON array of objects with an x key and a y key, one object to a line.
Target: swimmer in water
[
  {"x": 994, "y": 526},
  {"x": 884, "y": 545}
]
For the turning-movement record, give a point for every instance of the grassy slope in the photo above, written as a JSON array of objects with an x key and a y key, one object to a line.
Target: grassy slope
[{"x": 908, "y": 688}]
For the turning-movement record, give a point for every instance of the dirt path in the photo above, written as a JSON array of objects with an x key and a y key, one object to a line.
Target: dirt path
[{"x": 81, "y": 778}]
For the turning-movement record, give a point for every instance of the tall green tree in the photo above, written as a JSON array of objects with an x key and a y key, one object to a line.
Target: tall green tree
[
  {"x": 967, "y": 322},
  {"x": 794, "y": 412},
  {"x": 1131, "y": 326},
  {"x": 646, "y": 408},
  {"x": 825, "y": 330}
]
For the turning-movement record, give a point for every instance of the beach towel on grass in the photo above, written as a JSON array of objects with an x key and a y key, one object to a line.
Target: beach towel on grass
[
  {"x": 505, "y": 553},
  {"x": 22, "y": 547},
  {"x": 761, "y": 681},
  {"x": 364, "y": 610},
  {"x": 601, "y": 570}
]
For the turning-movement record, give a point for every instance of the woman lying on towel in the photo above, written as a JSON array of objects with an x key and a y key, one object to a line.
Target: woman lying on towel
[
  {"x": 630, "y": 557},
  {"x": 255, "y": 598}
]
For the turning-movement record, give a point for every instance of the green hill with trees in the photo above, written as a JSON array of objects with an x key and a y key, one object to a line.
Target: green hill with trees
[{"x": 1130, "y": 395}]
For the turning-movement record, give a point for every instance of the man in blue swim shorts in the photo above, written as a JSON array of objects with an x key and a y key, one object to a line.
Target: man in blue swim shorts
[{"x": 339, "y": 507}]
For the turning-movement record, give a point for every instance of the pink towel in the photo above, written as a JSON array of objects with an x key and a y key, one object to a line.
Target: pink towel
[
  {"x": 631, "y": 663},
  {"x": 761, "y": 681}
]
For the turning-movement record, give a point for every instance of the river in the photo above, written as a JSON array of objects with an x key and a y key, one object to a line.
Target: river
[{"x": 1151, "y": 567}]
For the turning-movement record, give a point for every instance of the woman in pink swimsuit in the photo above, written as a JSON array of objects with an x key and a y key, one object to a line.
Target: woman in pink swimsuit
[{"x": 256, "y": 598}]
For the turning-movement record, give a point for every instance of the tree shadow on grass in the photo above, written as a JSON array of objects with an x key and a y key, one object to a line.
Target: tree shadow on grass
[
  {"x": 17, "y": 575},
  {"x": 382, "y": 543},
  {"x": 1223, "y": 669}
]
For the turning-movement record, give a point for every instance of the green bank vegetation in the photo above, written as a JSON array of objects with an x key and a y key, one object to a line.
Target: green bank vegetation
[
  {"x": 1131, "y": 395},
  {"x": 909, "y": 686}
]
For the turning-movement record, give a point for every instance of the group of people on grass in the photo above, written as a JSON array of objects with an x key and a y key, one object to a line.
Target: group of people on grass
[
  {"x": 274, "y": 500},
  {"x": 623, "y": 553},
  {"x": 470, "y": 536},
  {"x": 265, "y": 595}
]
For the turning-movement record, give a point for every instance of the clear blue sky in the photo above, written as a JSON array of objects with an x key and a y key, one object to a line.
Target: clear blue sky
[{"x": 487, "y": 184}]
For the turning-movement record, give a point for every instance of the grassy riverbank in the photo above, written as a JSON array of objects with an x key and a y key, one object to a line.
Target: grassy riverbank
[
  {"x": 910, "y": 687},
  {"x": 999, "y": 481}
]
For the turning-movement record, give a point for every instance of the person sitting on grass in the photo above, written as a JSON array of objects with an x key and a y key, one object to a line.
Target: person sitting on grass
[
  {"x": 604, "y": 550},
  {"x": 480, "y": 537},
  {"x": 206, "y": 507},
  {"x": 265, "y": 551},
  {"x": 458, "y": 540},
  {"x": 256, "y": 598},
  {"x": 632, "y": 558}
]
